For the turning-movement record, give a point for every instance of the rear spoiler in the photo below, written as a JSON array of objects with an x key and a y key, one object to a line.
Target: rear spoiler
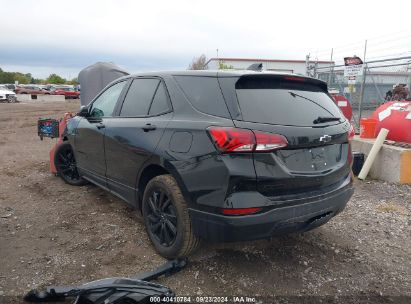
[{"x": 273, "y": 81}]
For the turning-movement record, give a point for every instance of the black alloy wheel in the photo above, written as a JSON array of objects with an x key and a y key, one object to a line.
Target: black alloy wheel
[
  {"x": 66, "y": 165},
  {"x": 162, "y": 218},
  {"x": 167, "y": 218}
]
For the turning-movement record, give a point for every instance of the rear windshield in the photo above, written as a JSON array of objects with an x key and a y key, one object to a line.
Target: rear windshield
[{"x": 276, "y": 101}]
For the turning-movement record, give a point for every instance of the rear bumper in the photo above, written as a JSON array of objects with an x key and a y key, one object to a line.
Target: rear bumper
[{"x": 294, "y": 218}]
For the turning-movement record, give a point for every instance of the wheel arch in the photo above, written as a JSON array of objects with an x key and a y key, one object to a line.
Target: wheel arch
[{"x": 150, "y": 171}]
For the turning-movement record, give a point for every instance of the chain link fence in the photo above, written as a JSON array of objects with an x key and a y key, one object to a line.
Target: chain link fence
[{"x": 380, "y": 81}]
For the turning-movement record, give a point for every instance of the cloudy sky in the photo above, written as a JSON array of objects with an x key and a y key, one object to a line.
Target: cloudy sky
[{"x": 53, "y": 36}]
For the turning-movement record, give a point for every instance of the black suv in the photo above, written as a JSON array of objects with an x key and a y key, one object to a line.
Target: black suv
[{"x": 221, "y": 156}]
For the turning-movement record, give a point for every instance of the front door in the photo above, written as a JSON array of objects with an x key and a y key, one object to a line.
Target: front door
[{"x": 89, "y": 138}]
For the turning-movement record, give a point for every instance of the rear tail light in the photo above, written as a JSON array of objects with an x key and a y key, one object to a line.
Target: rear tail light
[
  {"x": 243, "y": 140},
  {"x": 241, "y": 211},
  {"x": 232, "y": 139},
  {"x": 269, "y": 142}
]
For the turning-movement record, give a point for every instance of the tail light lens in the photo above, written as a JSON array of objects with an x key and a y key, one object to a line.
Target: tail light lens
[
  {"x": 269, "y": 142},
  {"x": 241, "y": 211},
  {"x": 232, "y": 139},
  {"x": 243, "y": 140}
]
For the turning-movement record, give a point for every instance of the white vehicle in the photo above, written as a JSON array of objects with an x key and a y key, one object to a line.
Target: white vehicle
[{"x": 6, "y": 95}]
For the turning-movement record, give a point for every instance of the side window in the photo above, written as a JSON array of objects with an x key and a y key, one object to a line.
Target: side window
[
  {"x": 204, "y": 93},
  {"x": 160, "y": 101},
  {"x": 104, "y": 105},
  {"x": 139, "y": 97}
]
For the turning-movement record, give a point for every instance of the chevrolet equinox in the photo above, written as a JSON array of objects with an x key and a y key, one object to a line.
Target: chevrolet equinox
[{"x": 221, "y": 156}]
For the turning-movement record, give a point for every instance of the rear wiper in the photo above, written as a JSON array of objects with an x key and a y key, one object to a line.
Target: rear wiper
[
  {"x": 321, "y": 119},
  {"x": 314, "y": 102}
]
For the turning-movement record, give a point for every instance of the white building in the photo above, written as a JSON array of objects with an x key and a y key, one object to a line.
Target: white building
[{"x": 278, "y": 65}]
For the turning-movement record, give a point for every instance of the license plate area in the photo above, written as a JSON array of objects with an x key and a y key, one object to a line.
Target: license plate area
[{"x": 310, "y": 160}]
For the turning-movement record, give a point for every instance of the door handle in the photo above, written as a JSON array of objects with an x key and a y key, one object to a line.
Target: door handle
[
  {"x": 100, "y": 126},
  {"x": 149, "y": 127}
]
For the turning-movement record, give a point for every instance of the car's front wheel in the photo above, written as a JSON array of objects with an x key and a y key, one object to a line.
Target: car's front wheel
[
  {"x": 66, "y": 165},
  {"x": 11, "y": 99},
  {"x": 167, "y": 219}
]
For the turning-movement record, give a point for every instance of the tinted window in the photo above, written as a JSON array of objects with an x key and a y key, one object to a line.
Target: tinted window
[
  {"x": 160, "y": 103},
  {"x": 204, "y": 93},
  {"x": 104, "y": 105},
  {"x": 295, "y": 104},
  {"x": 139, "y": 97}
]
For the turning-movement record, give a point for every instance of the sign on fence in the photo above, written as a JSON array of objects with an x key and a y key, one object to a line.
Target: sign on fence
[
  {"x": 353, "y": 68},
  {"x": 351, "y": 79}
]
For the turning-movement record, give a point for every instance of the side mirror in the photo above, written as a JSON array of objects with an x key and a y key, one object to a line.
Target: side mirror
[{"x": 84, "y": 111}]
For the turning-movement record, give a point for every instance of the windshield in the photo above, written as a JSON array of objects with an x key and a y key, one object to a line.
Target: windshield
[{"x": 294, "y": 105}]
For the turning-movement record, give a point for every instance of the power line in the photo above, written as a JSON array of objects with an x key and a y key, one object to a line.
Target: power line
[{"x": 379, "y": 40}]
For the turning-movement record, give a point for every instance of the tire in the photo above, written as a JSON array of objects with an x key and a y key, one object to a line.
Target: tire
[
  {"x": 164, "y": 207},
  {"x": 66, "y": 165},
  {"x": 11, "y": 99}
]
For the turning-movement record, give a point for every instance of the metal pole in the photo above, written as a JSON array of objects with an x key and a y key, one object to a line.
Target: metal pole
[
  {"x": 331, "y": 67},
  {"x": 362, "y": 84},
  {"x": 307, "y": 65}
]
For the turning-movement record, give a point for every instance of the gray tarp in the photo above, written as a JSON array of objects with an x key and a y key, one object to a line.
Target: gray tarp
[{"x": 95, "y": 77}]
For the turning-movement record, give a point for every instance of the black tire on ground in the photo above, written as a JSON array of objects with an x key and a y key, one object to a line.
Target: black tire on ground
[
  {"x": 167, "y": 219},
  {"x": 66, "y": 165}
]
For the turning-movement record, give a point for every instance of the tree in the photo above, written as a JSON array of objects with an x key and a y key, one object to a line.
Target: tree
[
  {"x": 199, "y": 63},
  {"x": 223, "y": 66},
  {"x": 55, "y": 79},
  {"x": 37, "y": 81},
  {"x": 6, "y": 77},
  {"x": 74, "y": 81},
  {"x": 21, "y": 78}
]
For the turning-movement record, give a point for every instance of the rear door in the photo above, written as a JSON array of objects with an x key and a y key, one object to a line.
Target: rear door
[
  {"x": 301, "y": 110},
  {"x": 132, "y": 136}
]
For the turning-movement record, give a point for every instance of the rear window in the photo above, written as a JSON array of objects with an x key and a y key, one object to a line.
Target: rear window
[
  {"x": 282, "y": 102},
  {"x": 204, "y": 94}
]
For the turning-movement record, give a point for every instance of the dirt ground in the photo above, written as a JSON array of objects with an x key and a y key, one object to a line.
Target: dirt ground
[{"x": 54, "y": 233}]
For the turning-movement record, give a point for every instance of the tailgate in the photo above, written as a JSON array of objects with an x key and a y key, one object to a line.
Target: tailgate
[
  {"x": 301, "y": 110},
  {"x": 306, "y": 165}
]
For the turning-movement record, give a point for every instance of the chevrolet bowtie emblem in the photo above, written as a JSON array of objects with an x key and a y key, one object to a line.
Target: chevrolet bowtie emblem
[{"x": 325, "y": 138}]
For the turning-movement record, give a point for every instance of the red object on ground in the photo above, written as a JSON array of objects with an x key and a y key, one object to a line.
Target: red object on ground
[
  {"x": 344, "y": 105},
  {"x": 396, "y": 117},
  {"x": 367, "y": 127},
  {"x": 62, "y": 126}
]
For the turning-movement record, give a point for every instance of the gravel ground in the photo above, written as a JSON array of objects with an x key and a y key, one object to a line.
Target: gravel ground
[{"x": 53, "y": 233}]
